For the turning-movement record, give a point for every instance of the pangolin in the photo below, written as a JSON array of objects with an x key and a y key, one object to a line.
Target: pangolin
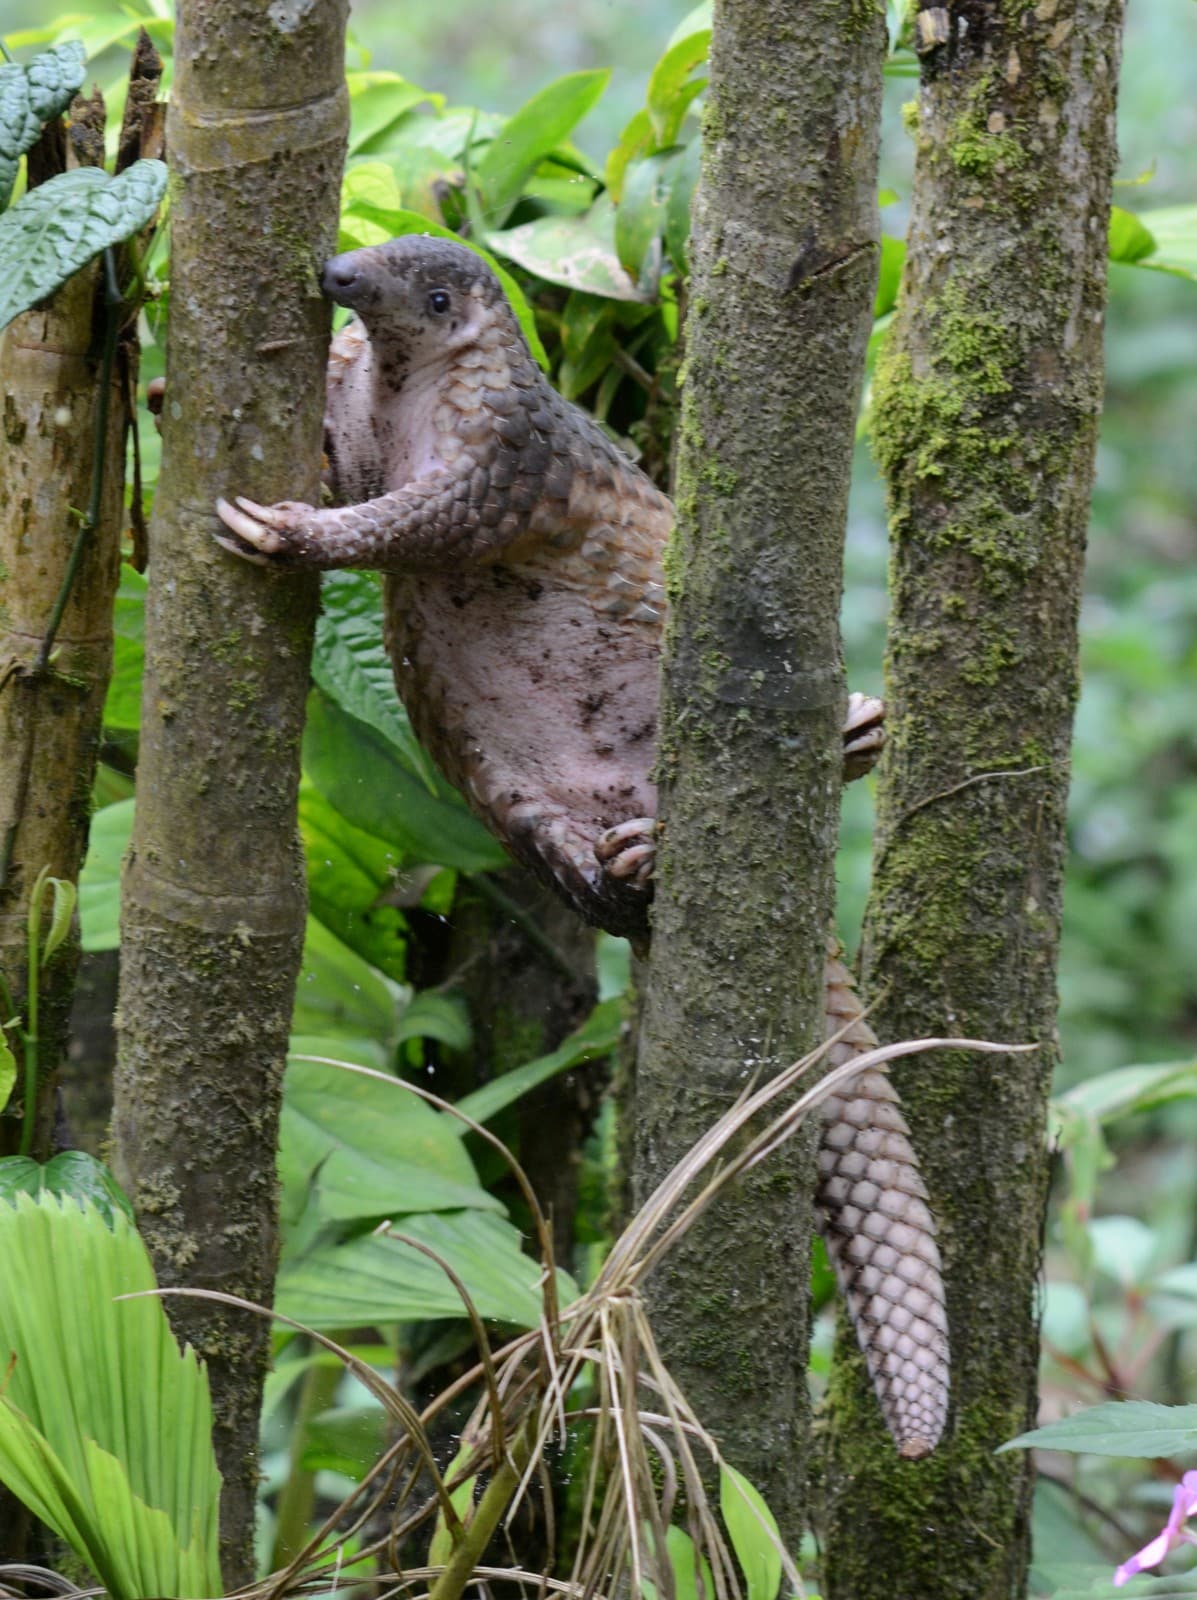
[{"x": 524, "y": 614}]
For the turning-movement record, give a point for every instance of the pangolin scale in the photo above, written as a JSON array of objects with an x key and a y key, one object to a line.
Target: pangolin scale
[{"x": 525, "y": 606}]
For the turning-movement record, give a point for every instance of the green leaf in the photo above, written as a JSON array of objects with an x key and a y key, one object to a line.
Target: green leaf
[
  {"x": 373, "y": 1278},
  {"x": 339, "y": 993},
  {"x": 526, "y": 138},
  {"x": 640, "y": 218},
  {"x": 8, "y": 1076},
  {"x": 359, "y": 772},
  {"x": 587, "y": 341},
  {"x": 893, "y": 257},
  {"x": 686, "y": 1564},
  {"x": 444, "y": 1017},
  {"x": 752, "y": 1529},
  {"x": 683, "y": 181},
  {"x": 351, "y": 665},
  {"x": 636, "y": 140},
  {"x": 122, "y": 705},
  {"x": 71, "y": 1175},
  {"x": 348, "y": 873},
  {"x": 29, "y": 96},
  {"x": 597, "y": 1036},
  {"x": 55, "y": 229},
  {"x": 578, "y": 252},
  {"x": 671, "y": 90},
  {"x": 1126, "y": 1090},
  {"x": 1130, "y": 240},
  {"x": 377, "y": 100},
  {"x": 1174, "y": 229},
  {"x": 1119, "y": 1428},
  {"x": 114, "y": 1453},
  {"x": 62, "y": 910},
  {"x": 695, "y": 21},
  {"x": 347, "y": 1439},
  {"x": 100, "y": 879},
  {"x": 370, "y": 1148}
]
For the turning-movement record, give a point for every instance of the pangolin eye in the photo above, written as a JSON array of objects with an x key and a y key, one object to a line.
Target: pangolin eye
[{"x": 439, "y": 302}]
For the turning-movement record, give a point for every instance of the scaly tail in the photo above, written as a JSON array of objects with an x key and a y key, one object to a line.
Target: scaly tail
[{"x": 880, "y": 1234}]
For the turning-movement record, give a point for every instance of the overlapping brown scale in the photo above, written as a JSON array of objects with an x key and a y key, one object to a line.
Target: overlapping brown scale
[{"x": 880, "y": 1233}]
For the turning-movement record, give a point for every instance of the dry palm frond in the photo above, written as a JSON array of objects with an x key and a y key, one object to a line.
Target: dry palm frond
[{"x": 644, "y": 1431}]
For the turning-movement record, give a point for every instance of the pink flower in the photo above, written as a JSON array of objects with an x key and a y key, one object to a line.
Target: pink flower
[{"x": 1184, "y": 1503}]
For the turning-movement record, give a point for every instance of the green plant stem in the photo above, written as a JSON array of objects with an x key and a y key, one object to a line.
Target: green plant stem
[
  {"x": 112, "y": 308},
  {"x": 468, "y": 1552},
  {"x": 297, "y": 1498}
]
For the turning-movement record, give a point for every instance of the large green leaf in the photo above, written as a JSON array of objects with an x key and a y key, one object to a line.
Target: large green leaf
[
  {"x": 375, "y": 1279},
  {"x": 597, "y": 1036},
  {"x": 351, "y": 665},
  {"x": 1174, "y": 229},
  {"x": 72, "y": 1175},
  {"x": 1119, "y": 1428},
  {"x": 56, "y": 228},
  {"x": 578, "y": 252},
  {"x": 122, "y": 704},
  {"x": 377, "y": 100},
  {"x": 339, "y": 993},
  {"x": 105, "y": 1426},
  {"x": 348, "y": 870},
  {"x": 526, "y": 138},
  {"x": 361, "y": 774},
  {"x": 30, "y": 96},
  {"x": 370, "y": 1148},
  {"x": 100, "y": 879}
]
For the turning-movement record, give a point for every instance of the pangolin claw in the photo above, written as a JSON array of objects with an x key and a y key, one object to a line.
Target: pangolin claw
[
  {"x": 629, "y": 850},
  {"x": 270, "y": 530}
]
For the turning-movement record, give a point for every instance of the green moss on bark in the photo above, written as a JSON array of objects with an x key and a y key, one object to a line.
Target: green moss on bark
[{"x": 985, "y": 406}]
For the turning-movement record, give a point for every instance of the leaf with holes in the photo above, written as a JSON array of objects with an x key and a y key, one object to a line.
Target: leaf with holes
[
  {"x": 56, "y": 228},
  {"x": 30, "y": 96}
]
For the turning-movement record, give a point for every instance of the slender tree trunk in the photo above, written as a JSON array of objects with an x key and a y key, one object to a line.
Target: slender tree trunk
[
  {"x": 214, "y": 895},
  {"x": 50, "y": 363},
  {"x": 784, "y": 251},
  {"x": 986, "y": 408}
]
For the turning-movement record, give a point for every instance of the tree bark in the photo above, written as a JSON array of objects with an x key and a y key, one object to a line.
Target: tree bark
[
  {"x": 50, "y": 362},
  {"x": 214, "y": 894},
  {"x": 784, "y": 249},
  {"x": 986, "y": 407}
]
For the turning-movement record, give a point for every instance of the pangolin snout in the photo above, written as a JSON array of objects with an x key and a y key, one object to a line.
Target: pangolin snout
[{"x": 342, "y": 277}]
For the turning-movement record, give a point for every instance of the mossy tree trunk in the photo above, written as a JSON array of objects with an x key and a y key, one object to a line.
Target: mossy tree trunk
[
  {"x": 986, "y": 411},
  {"x": 784, "y": 248},
  {"x": 50, "y": 709},
  {"x": 214, "y": 896}
]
